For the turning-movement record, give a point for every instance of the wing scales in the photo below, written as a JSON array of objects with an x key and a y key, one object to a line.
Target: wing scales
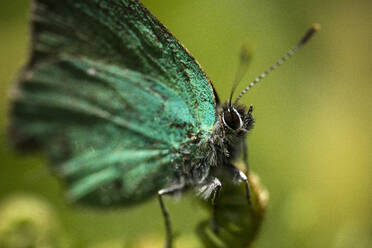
[
  {"x": 110, "y": 95},
  {"x": 124, "y": 33}
]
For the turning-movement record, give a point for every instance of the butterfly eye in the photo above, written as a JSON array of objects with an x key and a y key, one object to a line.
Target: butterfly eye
[{"x": 232, "y": 119}]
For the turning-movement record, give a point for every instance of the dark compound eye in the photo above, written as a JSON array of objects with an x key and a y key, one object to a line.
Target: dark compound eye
[{"x": 231, "y": 118}]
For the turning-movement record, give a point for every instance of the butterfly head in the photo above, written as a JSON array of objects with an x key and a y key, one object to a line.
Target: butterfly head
[{"x": 236, "y": 119}]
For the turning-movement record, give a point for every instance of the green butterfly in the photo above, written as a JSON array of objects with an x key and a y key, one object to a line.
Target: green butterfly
[{"x": 122, "y": 110}]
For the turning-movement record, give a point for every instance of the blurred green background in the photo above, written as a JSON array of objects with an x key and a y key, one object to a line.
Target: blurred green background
[{"x": 311, "y": 145}]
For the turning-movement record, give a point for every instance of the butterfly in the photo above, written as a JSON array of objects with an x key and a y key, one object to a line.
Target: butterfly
[{"x": 120, "y": 107}]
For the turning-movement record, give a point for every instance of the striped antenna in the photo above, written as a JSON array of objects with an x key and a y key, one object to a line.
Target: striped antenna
[{"x": 302, "y": 42}]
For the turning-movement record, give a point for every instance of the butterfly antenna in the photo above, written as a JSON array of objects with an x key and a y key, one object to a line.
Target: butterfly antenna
[
  {"x": 244, "y": 60},
  {"x": 302, "y": 42}
]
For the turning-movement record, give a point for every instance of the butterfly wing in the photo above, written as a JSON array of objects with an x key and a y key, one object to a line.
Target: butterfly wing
[{"x": 110, "y": 95}]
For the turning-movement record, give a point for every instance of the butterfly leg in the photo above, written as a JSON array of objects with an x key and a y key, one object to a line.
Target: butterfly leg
[
  {"x": 216, "y": 184},
  {"x": 168, "y": 226},
  {"x": 250, "y": 122},
  {"x": 242, "y": 177},
  {"x": 245, "y": 155}
]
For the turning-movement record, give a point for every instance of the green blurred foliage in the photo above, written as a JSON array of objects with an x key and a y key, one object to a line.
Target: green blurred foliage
[
  {"x": 27, "y": 222},
  {"x": 311, "y": 145}
]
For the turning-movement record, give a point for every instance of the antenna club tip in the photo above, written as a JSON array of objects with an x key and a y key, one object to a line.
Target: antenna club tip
[
  {"x": 316, "y": 26},
  {"x": 309, "y": 34}
]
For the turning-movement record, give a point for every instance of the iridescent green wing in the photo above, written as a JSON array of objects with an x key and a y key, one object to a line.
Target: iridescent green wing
[{"x": 110, "y": 95}]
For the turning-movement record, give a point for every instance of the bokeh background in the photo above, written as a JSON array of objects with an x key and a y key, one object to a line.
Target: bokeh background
[{"x": 311, "y": 145}]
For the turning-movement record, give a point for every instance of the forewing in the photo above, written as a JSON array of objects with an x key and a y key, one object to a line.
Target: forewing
[
  {"x": 111, "y": 96},
  {"x": 124, "y": 33}
]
